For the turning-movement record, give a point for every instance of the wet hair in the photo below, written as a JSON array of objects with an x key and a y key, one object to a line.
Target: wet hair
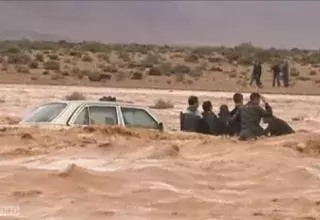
[
  {"x": 192, "y": 100},
  {"x": 224, "y": 108},
  {"x": 254, "y": 96},
  {"x": 237, "y": 97},
  {"x": 108, "y": 98},
  {"x": 206, "y": 106}
]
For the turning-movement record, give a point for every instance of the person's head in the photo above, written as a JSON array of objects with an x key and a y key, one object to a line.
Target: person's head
[
  {"x": 224, "y": 109},
  {"x": 238, "y": 99},
  {"x": 267, "y": 119},
  {"x": 193, "y": 101},
  {"x": 255, "y": 98},
  {"x": 207, "y": 106}
]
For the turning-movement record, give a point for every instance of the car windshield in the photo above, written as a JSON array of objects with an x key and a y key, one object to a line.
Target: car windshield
[{"x": 46, "y": 113}]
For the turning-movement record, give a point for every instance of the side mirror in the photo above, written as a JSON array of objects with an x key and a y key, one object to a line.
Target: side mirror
[{"x": 160, "y": 126}]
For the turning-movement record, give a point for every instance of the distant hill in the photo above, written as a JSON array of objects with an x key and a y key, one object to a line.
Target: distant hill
[{"x": 30, "y": 35}]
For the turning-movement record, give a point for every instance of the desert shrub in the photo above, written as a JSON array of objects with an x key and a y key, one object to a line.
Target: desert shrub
[
  {"x": 316, "y": 65},
  {"x": 104, "y": 56},
  {"x": 94, "y": 47},
  {"x": 245, "y": 60},
  {"x": 46, "y": 72},
  {"x": 68, "y": 61},
  {"x": 14, "y": 49},
  {"x": 182, "y": 69},
  {"x": 123, "y": 56},
  {"x": 54, "y": 57},
  {"x": 192, "y": 58},
  {"x": 180, "y": 78},
  {"x": 203, "y": 50},
  {"x": 154, "y": 71},
  {"x": 87, "y": 58},
  {"x": 313, "y": 72},
  {"x": 18, "y": 59},
  {"x": 75, "y": 70},
  {"x": 75, "y": 53},
  {"x": 34, "y": 65},
  {"x": 120, "y": 76},
  {"x": 109, "y": 69},
  {"x": 317, "y": 81},
  {"x": 165, "y": 68},
  {"x": 232, "y": 75},
  {"x": 136, "y": 76},
  {"x": 189, "y": 81},
  {"x": 214, "y": 59},
  {"x": 22, "y": 69},
  {"x": 303, "y": 78},
  {"x": 151, "y": 60},
  {"x": 51, "y": 65},
  {"x": 75, "y": 96},
  {"x": 39, "y": 57},
  {"x": 4, "y": 67},
  {"x": 216, "y": 69},
  {"x": 294, "y": 72},
  {"x": 97, "y": 77},
  {"x": 65, "y": 73},
  {"x": 33, "y": 78},
  {"x": 162, "y": 104},
  {"x": 168, "y": 81}
]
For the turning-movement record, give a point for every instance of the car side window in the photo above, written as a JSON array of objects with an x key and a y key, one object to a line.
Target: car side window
[
  {"x": 103, "y": 115},
  {"x": 138, "y": 118},
  {"x": 83, "y": 117}
]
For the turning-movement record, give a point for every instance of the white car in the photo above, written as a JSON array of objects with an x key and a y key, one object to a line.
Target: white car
[{"x": 85, "y": 112}]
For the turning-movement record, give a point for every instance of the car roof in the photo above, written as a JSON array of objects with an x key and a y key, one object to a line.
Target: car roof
[{"x": 83, "y": 102}]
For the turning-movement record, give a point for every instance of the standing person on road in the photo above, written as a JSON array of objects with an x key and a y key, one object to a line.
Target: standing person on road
[
  {"x": 276, "y": 75},
  {"x": 285, "y": 72},
  {"x": 256, "y": 73}
]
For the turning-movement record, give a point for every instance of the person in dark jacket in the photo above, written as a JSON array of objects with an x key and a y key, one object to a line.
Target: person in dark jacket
[
  {"x": 276, "y": 126},
  {"x": 238, "y": 102},
  {"x": 209, "y": 121},
  {"x": 224, "y": 117},
  {"x": 276, "y": 75},
  {"x": 250, "y": 115},
  {"x": 190, "y": 118},
  {"x": 256, "y": 73},
  {"x": 285, "y": 72}
]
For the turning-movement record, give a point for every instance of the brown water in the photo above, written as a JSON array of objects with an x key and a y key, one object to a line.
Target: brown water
[{"x": 115, "y": 173}]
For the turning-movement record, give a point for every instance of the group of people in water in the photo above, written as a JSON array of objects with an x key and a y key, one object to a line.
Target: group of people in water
[
  {"x": 243, "y": 121},
  {"x": 280, "y": 72}
]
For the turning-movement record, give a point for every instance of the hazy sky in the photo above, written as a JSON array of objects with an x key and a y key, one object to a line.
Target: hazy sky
[{"x": 264, "y": 23}]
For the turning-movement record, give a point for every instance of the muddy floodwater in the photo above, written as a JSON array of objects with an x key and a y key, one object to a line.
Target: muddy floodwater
[{"x": 115, "y": 173}]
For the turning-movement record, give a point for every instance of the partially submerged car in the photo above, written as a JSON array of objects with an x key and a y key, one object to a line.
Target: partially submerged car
[{"x": 72, "y": 113}]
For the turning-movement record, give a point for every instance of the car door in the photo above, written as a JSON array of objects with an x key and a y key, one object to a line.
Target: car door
[
  {"x": 140, "y": 118},
  {"x": 96, "y": 115}
]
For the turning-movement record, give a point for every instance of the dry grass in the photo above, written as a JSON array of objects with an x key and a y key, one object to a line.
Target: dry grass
[
  {"x": 162, "y": 104},
  {"x": 75, "y": 96}
]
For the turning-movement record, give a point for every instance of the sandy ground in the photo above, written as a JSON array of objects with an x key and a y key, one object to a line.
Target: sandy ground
[{"x": 115, "y": 173}]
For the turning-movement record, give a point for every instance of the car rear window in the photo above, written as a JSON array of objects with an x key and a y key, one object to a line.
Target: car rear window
[{"x": 46, "y": 113}]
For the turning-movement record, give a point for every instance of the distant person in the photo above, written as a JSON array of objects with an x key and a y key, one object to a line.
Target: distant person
[
  {"x": 256, "y": 73},
  {"x": 285, "y": 72},
  {"x": 190, "y": 118},
  {"x": 236, "y": 125},
  {"x": 276, "y": 126},
  {"x": 250, "y": 115},
  {"x": 223, "y": 119},
  {"x": 208, "y": 123},
  {"x": 276, "y": 75}
]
